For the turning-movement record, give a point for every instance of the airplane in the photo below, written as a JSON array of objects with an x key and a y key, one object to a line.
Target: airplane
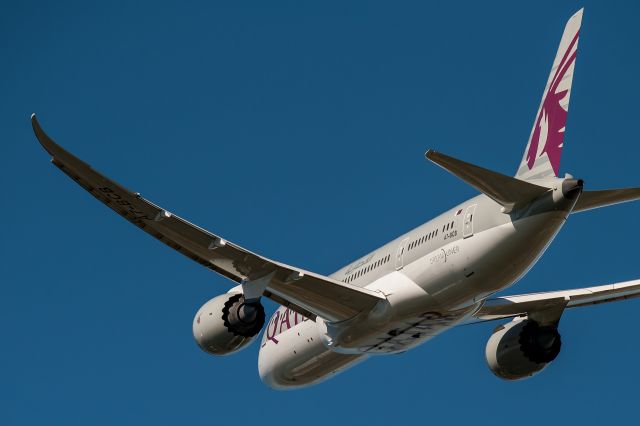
[{"x": 439, "y": 275}]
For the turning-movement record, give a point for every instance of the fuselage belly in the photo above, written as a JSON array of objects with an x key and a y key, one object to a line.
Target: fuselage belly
[{"x": 438, "y": 275}]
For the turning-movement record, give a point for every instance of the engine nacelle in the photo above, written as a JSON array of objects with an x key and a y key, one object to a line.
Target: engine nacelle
[
  {"x": 522, "y": 348},
  {"x": 227, "y": 324}
]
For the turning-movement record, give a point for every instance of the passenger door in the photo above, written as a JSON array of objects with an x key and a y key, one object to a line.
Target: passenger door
[
  {"x": 400, "y": 254},
  {"x": 467, "y": 227}
]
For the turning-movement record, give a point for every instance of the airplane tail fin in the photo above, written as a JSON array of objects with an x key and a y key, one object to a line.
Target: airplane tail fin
[{"x": 542, "y": 155}]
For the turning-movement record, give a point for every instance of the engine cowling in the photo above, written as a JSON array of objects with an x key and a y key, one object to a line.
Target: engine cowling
[
  {"x": 522, "y": 348},
  {"x": 227, "y": 324}
]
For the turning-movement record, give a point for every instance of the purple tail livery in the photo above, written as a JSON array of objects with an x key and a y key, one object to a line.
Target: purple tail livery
[{"x": 542, "y": 156}]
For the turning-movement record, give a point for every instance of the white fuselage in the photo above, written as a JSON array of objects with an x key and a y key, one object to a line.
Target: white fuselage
[{"x": 433, "y": 277}]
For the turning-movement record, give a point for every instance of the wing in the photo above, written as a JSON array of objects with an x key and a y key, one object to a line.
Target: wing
[
  {"x": 308, "y": 293},
  {"x": 550, "y": 305}
]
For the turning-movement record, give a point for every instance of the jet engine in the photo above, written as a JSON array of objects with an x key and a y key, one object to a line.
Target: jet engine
[
  {"x": 227, "y": 323},
  {"x": 522, "y": 348}
]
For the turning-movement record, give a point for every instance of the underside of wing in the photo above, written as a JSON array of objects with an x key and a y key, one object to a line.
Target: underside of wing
[
  {"x": 308, "y": 293},
  {"x": 548, "y": 305}
]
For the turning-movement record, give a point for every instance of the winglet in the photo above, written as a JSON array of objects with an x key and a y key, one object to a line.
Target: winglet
[
  {"x": 47, "y": 143},
  {"x": 504, "y": 190}
]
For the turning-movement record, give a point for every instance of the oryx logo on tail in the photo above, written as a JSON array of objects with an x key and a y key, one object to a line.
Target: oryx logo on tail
[{"x": 547, "y": 134}]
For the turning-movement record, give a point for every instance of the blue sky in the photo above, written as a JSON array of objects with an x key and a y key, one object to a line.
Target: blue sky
[{"x": 298, "y": 131}]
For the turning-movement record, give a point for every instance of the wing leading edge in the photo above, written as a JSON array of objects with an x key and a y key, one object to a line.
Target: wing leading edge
[{"x": 308, "y": 293}]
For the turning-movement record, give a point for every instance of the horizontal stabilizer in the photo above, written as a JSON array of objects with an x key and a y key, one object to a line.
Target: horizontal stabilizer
[
  {"x": 504, "y": 190},
  {"x": 608, "y": 197}
]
